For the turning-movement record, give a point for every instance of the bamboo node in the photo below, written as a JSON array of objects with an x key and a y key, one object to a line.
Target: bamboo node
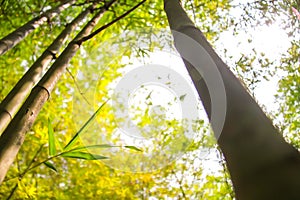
[
  {"x": 42, "y": 87},
  {"x": 52, "y": 54},
  {"x": 7, "y": 112}
]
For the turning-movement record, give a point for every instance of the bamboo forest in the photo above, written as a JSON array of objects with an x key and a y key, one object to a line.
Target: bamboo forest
[{"x": 150, "y": 99}]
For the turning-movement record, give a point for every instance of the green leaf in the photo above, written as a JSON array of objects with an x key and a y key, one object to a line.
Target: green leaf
[
  {"x": 76, "y": 136},
  {"x": 51, "y": 139},
  {"x": 182, "y": 97},
  {"x": 92, "y": 147},
  {"x": 133, "y": 148},
  {"x": 50, "y": 165},
  {"x": 149, "y": 95},
  {"x": 83, "y": 155}
]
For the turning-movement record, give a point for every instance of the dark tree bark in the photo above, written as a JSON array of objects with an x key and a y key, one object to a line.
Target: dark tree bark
[{"x": 261, "y": 164}]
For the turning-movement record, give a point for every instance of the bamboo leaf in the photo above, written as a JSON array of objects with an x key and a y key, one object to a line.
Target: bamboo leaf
[
  {"x": 76, "y": 136},
  {"x": 133, "y": 148},
  {"x": 92, "y": 147},
  {"x": 50, "y": 165},
  {"x": 83, "y": 155},
  {"x": 51, "y": 139},
  {"x": 181, "y": 98}
]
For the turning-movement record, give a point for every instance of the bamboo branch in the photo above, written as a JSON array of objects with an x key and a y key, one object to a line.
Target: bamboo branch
[
  {"x": 21, "y": 175},
  {"x": 112, "y": 22}
]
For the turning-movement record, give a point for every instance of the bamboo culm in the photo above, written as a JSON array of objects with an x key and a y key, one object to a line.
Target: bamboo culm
[
  {"x": 14, "y": 135},
  {"x": 12, "y": 102},
  {"x": 19, "y": 34},
  {"x": 261, "y": 163}
]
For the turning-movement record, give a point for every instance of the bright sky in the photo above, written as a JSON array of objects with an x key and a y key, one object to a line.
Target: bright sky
[{"x": 270, "y": 40}]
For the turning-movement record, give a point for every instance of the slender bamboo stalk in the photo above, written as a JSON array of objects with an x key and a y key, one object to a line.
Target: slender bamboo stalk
[
  {"x": 12, "y": 102},
  {"x": 14, "y": 135},
  {"x": 19, "y": 34},
  {"x": 261, "y": 164}
]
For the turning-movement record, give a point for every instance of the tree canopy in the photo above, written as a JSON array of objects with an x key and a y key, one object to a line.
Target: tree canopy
[{"x": 44, "y": 168}]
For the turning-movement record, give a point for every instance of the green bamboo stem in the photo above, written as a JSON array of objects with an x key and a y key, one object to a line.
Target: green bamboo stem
[
  {"x": 13, "y": 101},
  {"x": 19, "y": 34},
  {"x": 14, "y": 135}
]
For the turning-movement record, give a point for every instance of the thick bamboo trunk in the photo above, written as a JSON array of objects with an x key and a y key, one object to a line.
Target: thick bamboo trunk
[
  {"x": 14, "y": 135},
  {"x": 19, "y": 34},
  {"x": 261, "y": 164},
  {"x": 12, "y": 102}
]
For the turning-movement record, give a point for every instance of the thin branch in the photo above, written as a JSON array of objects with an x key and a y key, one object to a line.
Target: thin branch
[
  {"x": 21, "y": 175},
  {"x": 180, "y": 186},
  {"x": 225, "y": 172},
  {"x": 193, "y": 10},
  {"x": 77, "y": 86},
  {"x": 12, "y": 192},
  {"x": 110, "y": 23}
]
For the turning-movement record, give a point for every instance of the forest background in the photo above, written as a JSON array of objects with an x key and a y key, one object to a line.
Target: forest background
[{"x": 194, "y": 175}]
